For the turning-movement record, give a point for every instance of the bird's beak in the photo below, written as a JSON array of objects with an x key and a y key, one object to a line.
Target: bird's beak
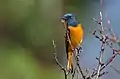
[{"x": 63, "y": 21}]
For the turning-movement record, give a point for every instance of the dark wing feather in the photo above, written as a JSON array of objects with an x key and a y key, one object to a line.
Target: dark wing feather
[{"x": 66, "y": 41}]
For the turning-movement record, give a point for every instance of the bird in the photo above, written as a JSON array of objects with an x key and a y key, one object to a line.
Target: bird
[{"x": 73, "y": 37}]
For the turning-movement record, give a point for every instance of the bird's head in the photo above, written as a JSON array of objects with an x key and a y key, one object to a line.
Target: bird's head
[{"x": 70, "y": 19}]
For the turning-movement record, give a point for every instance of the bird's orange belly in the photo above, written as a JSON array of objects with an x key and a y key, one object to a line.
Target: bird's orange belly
[{"x": 76, "y": 35}]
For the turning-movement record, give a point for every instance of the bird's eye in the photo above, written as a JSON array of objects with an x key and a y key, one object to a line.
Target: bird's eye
[{"x": 70, "y": 17}]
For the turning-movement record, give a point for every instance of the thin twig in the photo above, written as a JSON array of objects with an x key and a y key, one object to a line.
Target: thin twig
[
  {"x": 103, "y": 74},
  {"x": 78, "y": 65},
  {"x": 106, "y": 63},
  {"x": 108, "y": 20},
  {"x": 102, "y": 48},
  {"x": 105, "y": 40},
  {"x": 80, "y": 69},
  {"x": 100, "y": 61},
  {"x": 58, "y": 63}
]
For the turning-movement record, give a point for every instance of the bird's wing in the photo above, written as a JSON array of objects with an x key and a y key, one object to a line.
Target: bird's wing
[{"x": 67, "y": 42}]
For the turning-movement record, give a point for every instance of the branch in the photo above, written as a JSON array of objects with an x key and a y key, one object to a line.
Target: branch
[
  {"x": 106, "y": 63},
  {"x": 77, "y": 62},
  {"x": 58, "y": 63},
  {"x": 100, "y": 60},
  {"x": 102, "y": 48},
  {"x": 105, "y": 40}
]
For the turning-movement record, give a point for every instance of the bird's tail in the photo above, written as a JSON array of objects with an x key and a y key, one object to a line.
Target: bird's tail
[{"x": 70, "y": 62}]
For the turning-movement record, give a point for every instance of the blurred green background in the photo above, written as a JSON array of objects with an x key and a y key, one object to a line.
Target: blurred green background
[{"x": 27, "y": 28}]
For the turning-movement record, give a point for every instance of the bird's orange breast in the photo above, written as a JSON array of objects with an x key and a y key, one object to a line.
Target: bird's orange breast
[{"x": 76, "y": 35}]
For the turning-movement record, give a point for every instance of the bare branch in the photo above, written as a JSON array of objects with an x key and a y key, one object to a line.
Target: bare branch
[
  {"x": 57, "y": 62},
  {"x": 102, "y": 48},
  {"x": 100, "y": 60},
  {"x": 103, "y": 74},
  {"x": 78, "y": 65}
]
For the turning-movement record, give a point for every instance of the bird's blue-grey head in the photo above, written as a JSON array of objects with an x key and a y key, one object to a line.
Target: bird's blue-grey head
[{"x": 70, "y": 19}]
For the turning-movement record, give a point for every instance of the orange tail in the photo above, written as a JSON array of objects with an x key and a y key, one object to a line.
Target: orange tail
[{"x": 70, "y": 62}]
